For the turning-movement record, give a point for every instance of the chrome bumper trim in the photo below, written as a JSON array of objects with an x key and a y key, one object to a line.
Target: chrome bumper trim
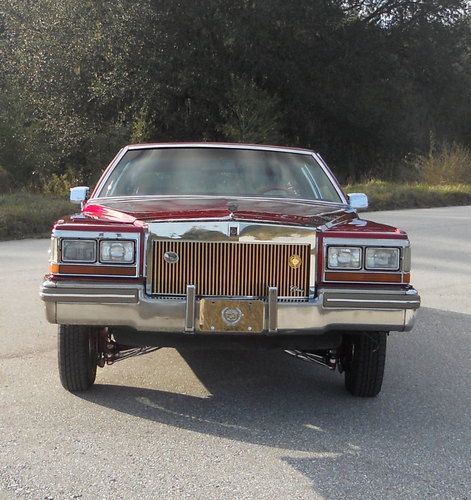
[
  {"x": 93, "y": 293},
  {"x": 57, "y": 296},
  {"x": 272, "y": 309},
  {"x": 128, "y": 305},
  {"x": 190, "y": 309},
  {"x": 368, "y": 300}
]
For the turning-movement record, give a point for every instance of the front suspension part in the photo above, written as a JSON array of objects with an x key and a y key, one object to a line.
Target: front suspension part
[
  {"x": 328, "y": 359},
  {"x": 110, "y": 352}
]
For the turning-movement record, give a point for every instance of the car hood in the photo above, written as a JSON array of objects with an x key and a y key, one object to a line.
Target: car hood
[{"x": 146, "y": 209}]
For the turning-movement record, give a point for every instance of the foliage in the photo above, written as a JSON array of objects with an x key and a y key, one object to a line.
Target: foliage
[
  {"x": 60, "y": 184},
  {"x": 365, "y": 82},
  {"x": 141, "y": 127},
  {"x": 5, "y": 181},
  {"x": 250, "y": 115},
  {"x": 406, "y": 11}
]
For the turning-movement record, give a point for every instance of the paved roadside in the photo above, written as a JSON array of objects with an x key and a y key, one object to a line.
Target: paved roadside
[{"x": 254, "y": 425}]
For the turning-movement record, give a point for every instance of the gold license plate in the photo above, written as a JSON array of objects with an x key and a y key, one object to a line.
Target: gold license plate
[{"x": 231, "y": 315}]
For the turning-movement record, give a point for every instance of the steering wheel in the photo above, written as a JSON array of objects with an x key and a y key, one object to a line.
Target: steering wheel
[{"x": 274, "y": 188}]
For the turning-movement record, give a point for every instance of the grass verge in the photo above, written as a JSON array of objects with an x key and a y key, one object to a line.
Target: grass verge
[
  {"x": 27, "y": 215},
  {"x": 390, "y": 196}
]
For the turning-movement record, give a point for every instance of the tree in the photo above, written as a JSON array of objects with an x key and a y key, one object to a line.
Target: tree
[{"x": 365, "y": 82}]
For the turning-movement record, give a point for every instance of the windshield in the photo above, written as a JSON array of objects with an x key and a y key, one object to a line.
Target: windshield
[{"x": 219, "y": 172}]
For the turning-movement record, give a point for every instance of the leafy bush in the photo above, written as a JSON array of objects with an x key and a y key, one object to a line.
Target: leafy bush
[
  {"x": 60, "y": 184},
  {"x": 448, "y": 164},
  {"x": 26, "y": 215}
]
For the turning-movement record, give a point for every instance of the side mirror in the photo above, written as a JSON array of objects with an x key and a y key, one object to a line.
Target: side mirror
[
  {"x": 79, "y": 194},
  {"x": 358, "y": 200}
]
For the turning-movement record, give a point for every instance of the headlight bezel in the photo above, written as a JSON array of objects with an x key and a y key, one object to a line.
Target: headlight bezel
[
  {"x": 112, "y": 270},
  {"x": 364, "y": 267},
  {"x": 57, "y": 251}
]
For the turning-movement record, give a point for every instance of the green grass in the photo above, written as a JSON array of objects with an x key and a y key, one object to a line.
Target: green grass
[
  {"x": 390, "y": 196},
  {"x": 27, "y": 215}
]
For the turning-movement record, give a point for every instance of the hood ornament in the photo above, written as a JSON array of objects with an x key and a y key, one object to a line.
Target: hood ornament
[{"x": 232, "y": 206}]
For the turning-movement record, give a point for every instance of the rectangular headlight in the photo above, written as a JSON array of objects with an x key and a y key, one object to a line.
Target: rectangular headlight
[
  {"x": 78, "y": 250},
  {"x": 117, "y": 252},
  {"x": 382, "y": 259},
  {"x": 344, "y": 258}
]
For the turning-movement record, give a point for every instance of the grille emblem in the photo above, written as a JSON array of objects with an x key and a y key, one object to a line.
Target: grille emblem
[
  {"x": 295, "y": 262},
  {"x": 171, "y": 257},
  {"x": 231, "y": 315}
]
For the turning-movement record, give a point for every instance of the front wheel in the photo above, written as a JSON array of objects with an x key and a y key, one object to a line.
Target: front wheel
[
  {"x": 363, "y": 358},
  {"x": 77, "y": 348}
]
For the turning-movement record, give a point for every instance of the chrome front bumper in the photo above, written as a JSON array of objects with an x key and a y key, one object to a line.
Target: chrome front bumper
[{"x": 128, "y": 305}]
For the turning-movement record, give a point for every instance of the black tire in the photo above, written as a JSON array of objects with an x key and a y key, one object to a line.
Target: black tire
[
  {"x": 77, "y": 356},
  {"x": 363, "y": 360}
]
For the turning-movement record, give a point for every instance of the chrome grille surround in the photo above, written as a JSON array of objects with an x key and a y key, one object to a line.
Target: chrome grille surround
[{"x": 222, "y": 265}]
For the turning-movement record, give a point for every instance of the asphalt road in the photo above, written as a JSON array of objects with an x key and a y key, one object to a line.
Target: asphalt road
[{"x": 254, "y": 425}]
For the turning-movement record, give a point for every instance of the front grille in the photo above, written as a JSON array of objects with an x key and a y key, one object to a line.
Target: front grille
[{"x": 230, "y": 269}]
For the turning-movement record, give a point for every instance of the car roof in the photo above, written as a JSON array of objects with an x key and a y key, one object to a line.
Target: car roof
[{"x": 222, "y": 145}]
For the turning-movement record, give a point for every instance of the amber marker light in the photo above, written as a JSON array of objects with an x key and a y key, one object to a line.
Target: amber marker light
[{"x": 53, "y": 268}]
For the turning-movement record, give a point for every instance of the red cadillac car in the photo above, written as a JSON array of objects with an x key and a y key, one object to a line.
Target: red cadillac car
[{"x": 225, "y": 246}]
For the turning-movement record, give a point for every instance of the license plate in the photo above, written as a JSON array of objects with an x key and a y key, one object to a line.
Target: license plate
[{"x": 231, "y": 315}]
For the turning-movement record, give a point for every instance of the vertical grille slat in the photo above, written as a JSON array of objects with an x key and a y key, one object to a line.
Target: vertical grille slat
[{"x": 229, "y": 269}]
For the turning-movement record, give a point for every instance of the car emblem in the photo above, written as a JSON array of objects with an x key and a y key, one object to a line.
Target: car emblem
[
  {"x": 231, "y": 315},
  {"x": 171, "y": 257},
  {"x": 295, "y": 262},
  {"x": 233, "y": 231}
]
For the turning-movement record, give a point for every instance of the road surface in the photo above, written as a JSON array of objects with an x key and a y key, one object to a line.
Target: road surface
[{"x": 255, "y": 425}]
